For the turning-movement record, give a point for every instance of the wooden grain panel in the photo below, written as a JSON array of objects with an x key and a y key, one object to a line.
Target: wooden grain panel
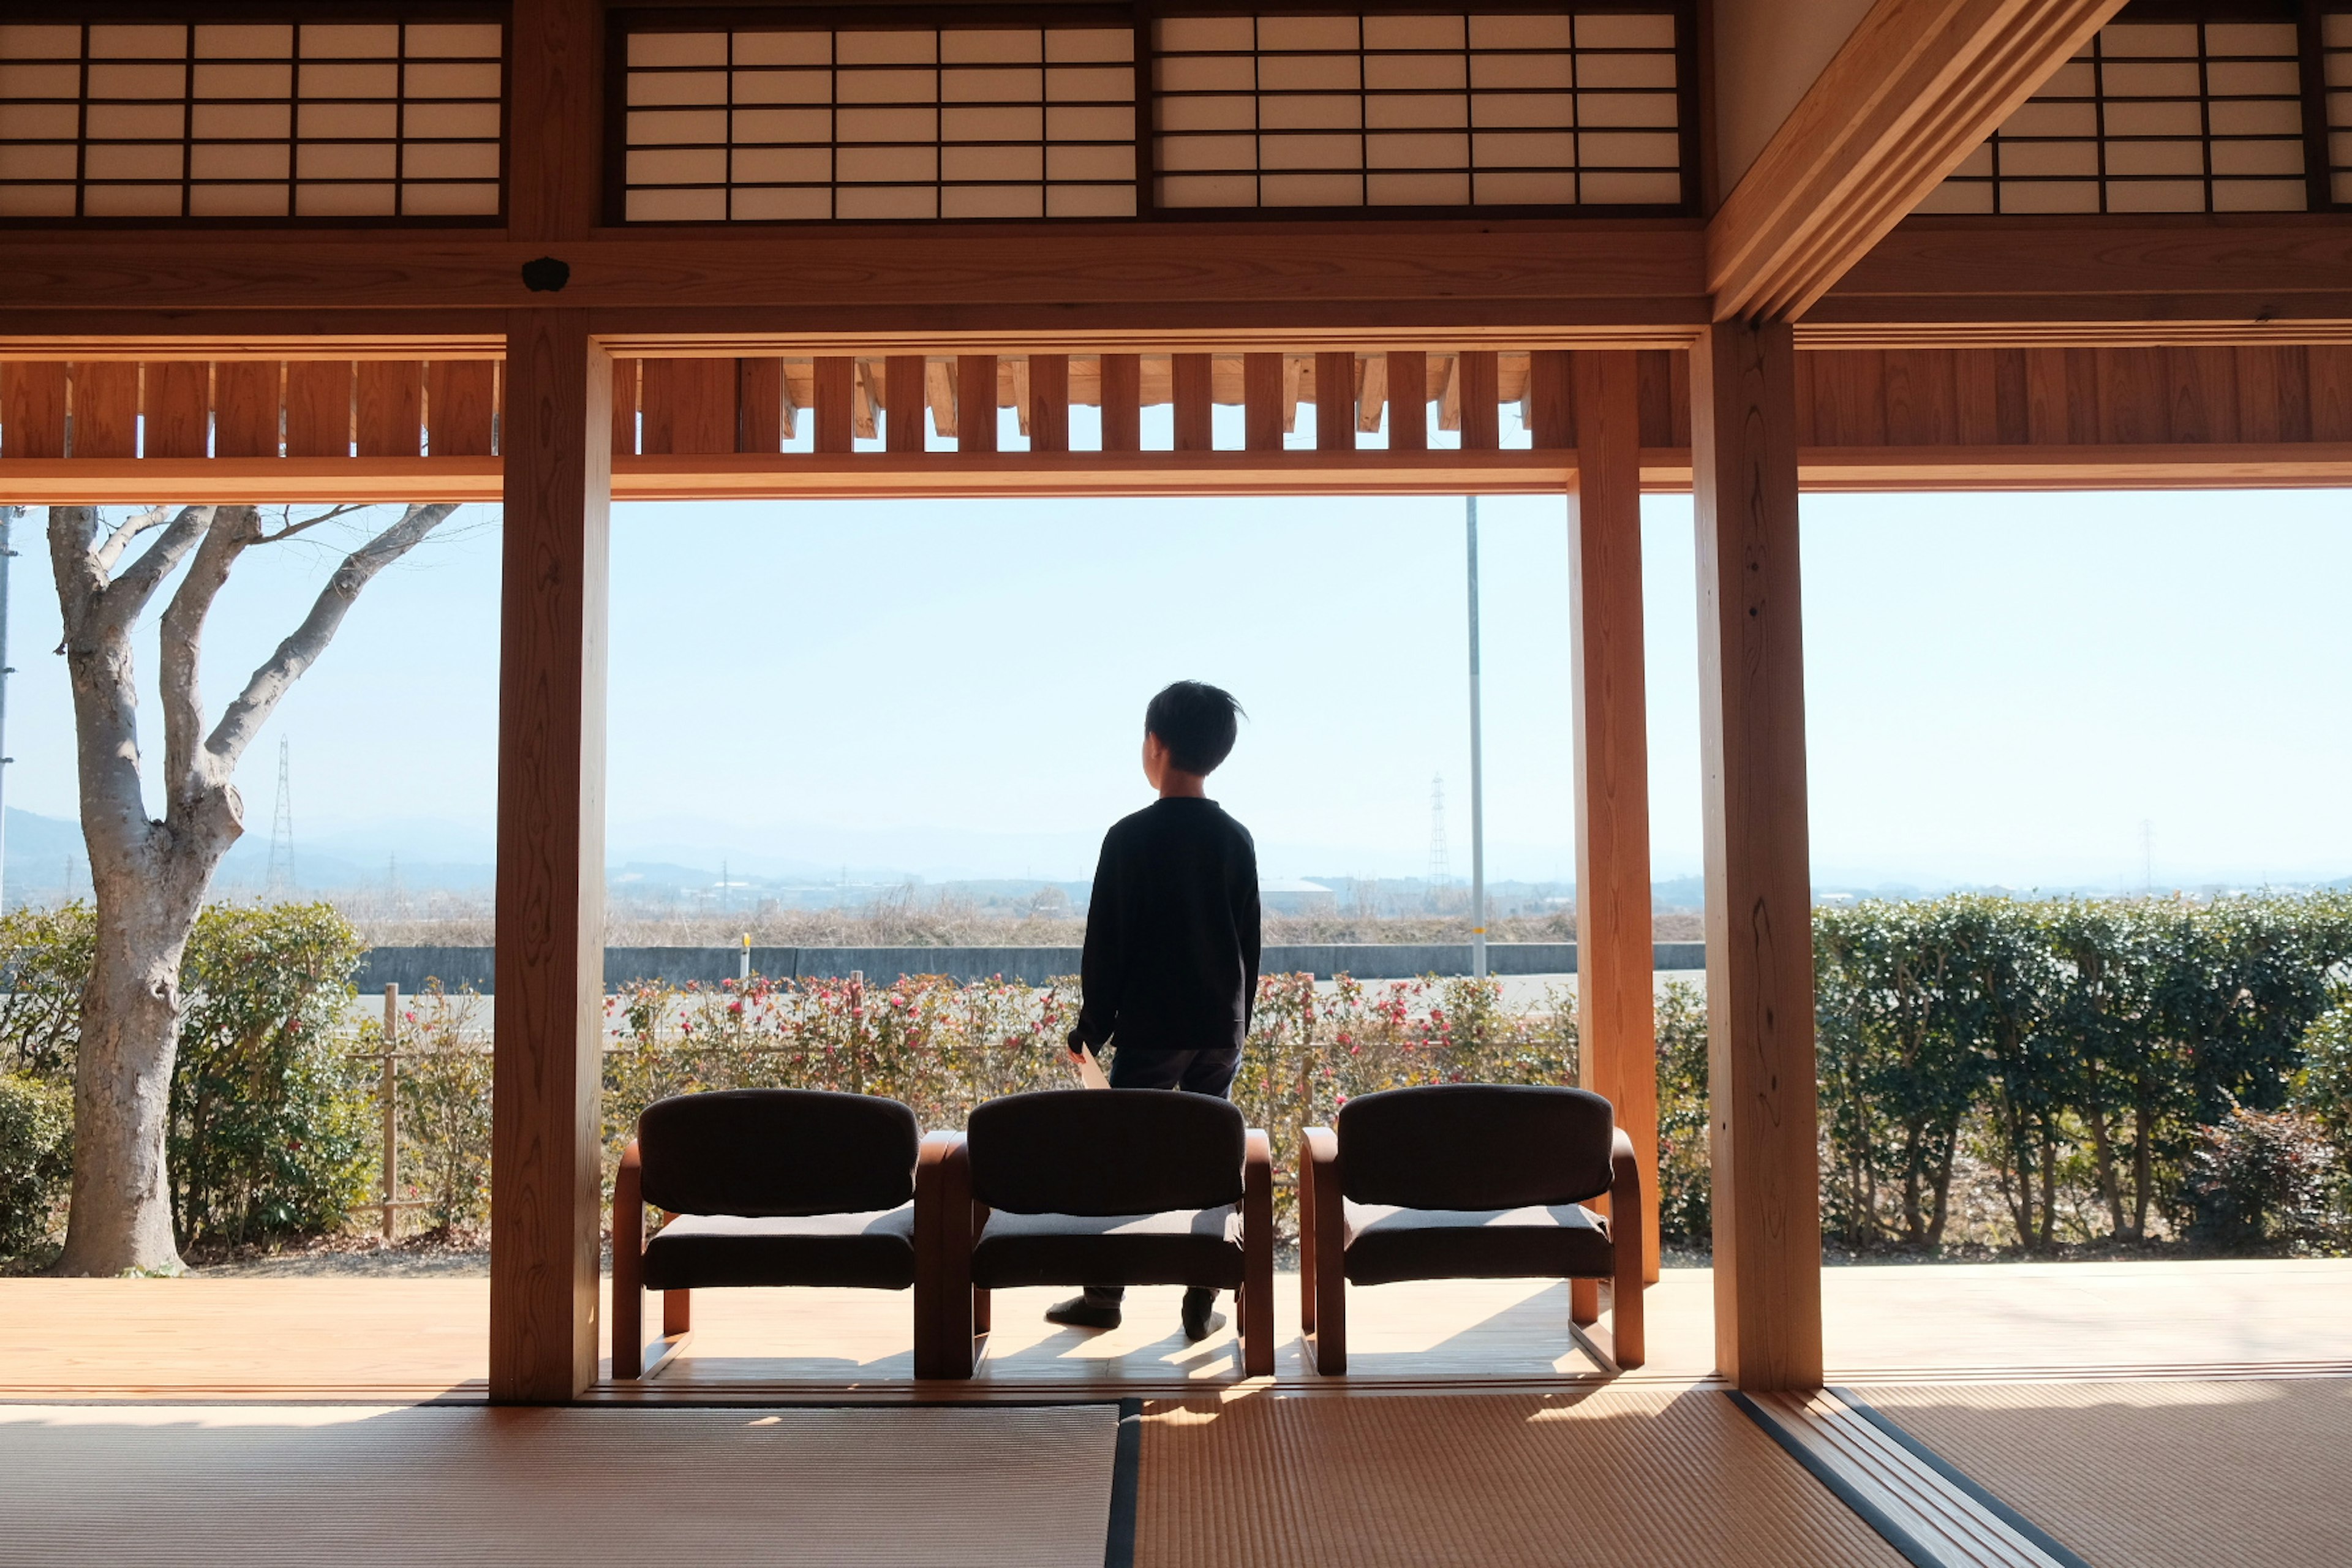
[
  {"x": 1920, "y": 398},
  {"x": 1615, "y": 1009},
  {"x": 1334, "y": 402},
  {"x": 33, "y": 408},
  {"x": 626, "y": 373},
  {"x": 1189, "y": 394},
  {"x": 1049, "y": 403},
  {"x": 547, "y": 1061},
  {"x": 2085, "y": 405},
  {"x": 318, "y": 408},
  {"x": 391, "y": 421},
  {"x": 2132, "y": 406},
  {"x": 2201, "y": 381},
  {"x": 976, "y": 403},
  {"x": 1551, "y": 399},
  {"x": 1657, "y": 396},
  {"x": 902, "y": 403},
  {"x": 2046, "y": 396},
  {"x": 246, "y": 402},
  {"x": 1482, "y": 413},
  {"x": 1808, "y": 392},
  {"x": 2330, "y": 366},
  {"x": 688, "y": 406},
  {"x": 555, "y": 137},
  {"x": 1408, "y": 401},
  {"x": 178, "y": 398},
  {"x": 1122, "y": 402},
  {"x": 460, "y": 407},
  {"x": 763, "y": 397},
  {"x": 1678, "y": 396},
  {"x": 1759, "y": 966},
  {"x": 105, "y": 409},
  {"x": 835, "y": 380},
  {"x": 1262, "y": 402},
  {"x": 2012, "y": 396}
]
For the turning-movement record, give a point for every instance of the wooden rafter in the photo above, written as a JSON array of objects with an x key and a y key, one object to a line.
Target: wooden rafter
[{"x": 1914, "y": 91}]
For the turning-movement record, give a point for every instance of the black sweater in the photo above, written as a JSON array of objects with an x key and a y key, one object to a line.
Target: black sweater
[{"x": 1172, "y": 932}]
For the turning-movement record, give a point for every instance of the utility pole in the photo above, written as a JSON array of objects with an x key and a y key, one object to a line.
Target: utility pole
[
  {"x": 1440, "y": 869},
  {"x": 8, "y": 515},
  {"x": 1477, "y": 771}
]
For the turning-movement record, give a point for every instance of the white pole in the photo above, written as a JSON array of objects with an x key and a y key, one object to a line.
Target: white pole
[{"x": 1477, "y": 773}]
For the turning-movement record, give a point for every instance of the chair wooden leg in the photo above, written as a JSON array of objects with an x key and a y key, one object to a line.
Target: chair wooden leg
[
  {"x": 677, "y": 1313},
  {"x": 1305, "y": 1246},
  {"x": 1254, "y": 1303},
  {"x": 982, "y": 1311},
  {"x": 628, "y": 1267},
  {"x": 1332, "y": 1322},
  {"x": 1584, "y": 1302}
]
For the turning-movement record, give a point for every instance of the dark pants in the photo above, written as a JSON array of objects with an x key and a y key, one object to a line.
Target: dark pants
[{"x": 1209, "y": 1072}]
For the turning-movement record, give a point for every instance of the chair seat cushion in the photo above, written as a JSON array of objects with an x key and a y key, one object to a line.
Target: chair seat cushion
[
  {"x": 874, "y": 1249},
  {"x": 1561, "y": 1241},
  {"x": 1181, "y": 1246}
]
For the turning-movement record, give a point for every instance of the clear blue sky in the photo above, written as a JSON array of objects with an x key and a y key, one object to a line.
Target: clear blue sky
[{"x": 2026, "y": 690}]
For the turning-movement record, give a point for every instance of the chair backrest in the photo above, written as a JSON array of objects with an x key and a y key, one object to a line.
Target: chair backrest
[
  {"x": 770, "y": 1152},
  {"x": 1105, "y": 1152},
  {"x": 1476, "y": 1146}
]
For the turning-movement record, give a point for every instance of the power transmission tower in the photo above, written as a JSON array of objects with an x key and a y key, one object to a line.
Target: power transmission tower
[
  {"x": 1441, "y": 873},
  {"x": 281, "y": 879}
]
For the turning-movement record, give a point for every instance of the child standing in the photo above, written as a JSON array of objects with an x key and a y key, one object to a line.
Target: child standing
[{"x": 1172, "y": 953}]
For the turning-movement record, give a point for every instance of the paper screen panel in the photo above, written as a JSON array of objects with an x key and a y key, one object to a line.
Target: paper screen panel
[
  {"x": 251, "y": 119},
  {"x": 880, "y": 125},
  {"x": 2336, "y": 77},
  {"x": 2165, "y": 116},
  {"x": 1434, "y": 110}
]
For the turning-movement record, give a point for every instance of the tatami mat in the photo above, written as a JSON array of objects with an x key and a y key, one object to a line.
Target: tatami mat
[
  {"x": 2170, "y": 1474},
  {"x": 1655, "y": 1476},
  {"x": 255, "y": 1487}
]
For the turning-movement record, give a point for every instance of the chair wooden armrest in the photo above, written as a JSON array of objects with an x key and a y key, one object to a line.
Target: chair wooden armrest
[
  {"x": 943, "y": 1237},
  {"x": 1255, "y": 1304},
  {"x": 629, "y": 1265},
  {"x": 1322, "y": 1249},
  {"x": 1625, "y": 1225}
]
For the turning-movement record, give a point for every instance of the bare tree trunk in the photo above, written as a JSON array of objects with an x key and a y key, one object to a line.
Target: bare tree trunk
[{"x": 149, "y": 878}]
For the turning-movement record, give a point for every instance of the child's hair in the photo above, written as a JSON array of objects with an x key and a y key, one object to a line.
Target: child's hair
[{"x": 1196, "y": 722}]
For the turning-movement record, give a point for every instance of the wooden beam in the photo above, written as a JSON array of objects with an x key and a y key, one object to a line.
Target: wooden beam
[
  {"x": 1049, "y": 403},
  {"x": 105, "y": 410},
  {"x": 178, "y": 398},
  {"x": 1122, "y": 402},
  {"x": 1228, "y": 283},
  {"x": 1190, "y": 390},
  {"x": 1615, "y": 980},
  {"x": 1481, "y": 412},
  {"x": 1262, "y": 402},
  {"x": 953, "y": 474},
  {"x": 1372, "y": 393},
  {"x": 318, "y": 408},
  {"x": 1759, "y": 962},
  {"x": 836, "y": 390},
  {"x": 762, "y": 398},
  {"x": 975, "y": 427},
  {"x": 1916, "y": 89},
  {"x": 391, "y": 404},
  {"x": 460, "y": 406},
  {"x": 903, "y": 398},
  {"x": 31, "y": 409},
  {"x": 1408, "y": 400},
  {"x": 246, "y": 398},
  {"x": 1335, "y": 402},
  {"x": 546, "y": 1130},
  {"x": 555, "y": 129}
]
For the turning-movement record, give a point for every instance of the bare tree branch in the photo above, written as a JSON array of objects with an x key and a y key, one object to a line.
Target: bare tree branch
[
  {"x": 131, "y": 528},
  {"x": 270, "y": 682},
  {"x": 128, "y": 594},
  {"x": 234, "y": 529},
  {"x": 291, "y": 529}
]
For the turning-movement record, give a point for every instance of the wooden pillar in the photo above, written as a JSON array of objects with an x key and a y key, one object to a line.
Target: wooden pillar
[
  {"x": 1122, "y": 402},
  {"x": 1262, "y": 402},
  {"x": 1049, "y": 403},
  {"x": 1616, "y": 1016},
  {"x": 1192, "y": 398},
  {"x": 1408, "y": 401},
  {"x": 545, "y": 1119},
  {"x": 976, "y": 403},
  {"x": 1759, "y": 960},
  {"x": 1335, "y": 402}
]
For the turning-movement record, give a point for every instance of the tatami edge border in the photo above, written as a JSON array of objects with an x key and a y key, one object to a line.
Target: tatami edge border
[
  {"x": 1961, "y": 1480},
  {"x": 1869, "y": 1512},
  {"x": 1125, "y": 1484}
]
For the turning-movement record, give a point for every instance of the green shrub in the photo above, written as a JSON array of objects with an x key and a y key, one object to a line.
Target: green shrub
[
  {"x": 45, "y": 954},
  {"x": 2265, "y": 1176},
  {"x": 1686, "y": 1175},
  {"x": 445, "y": 1073},
  {"x": 270, "y": 1123},
  {"x": 35, "y": 1161}
]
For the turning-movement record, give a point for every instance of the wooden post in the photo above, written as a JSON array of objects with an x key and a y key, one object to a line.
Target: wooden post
[
  {"x": 1122, "y": 402},
  {"x": 1408, "y": 401},
  {"x": 976, "y": 403},
  {"x": 390, "y": 1109},
  {"x": 902, "y": 403},
  {"x": 1616, "y": 1020},
  {"x": 550, "y": 881},
  {"x": 1193, "y": 394},
  {"x": 1759, "y": 960},
  {"x": 1049, "y": 403},
  {"x": 1262, "y": 402},
  {"x": 1335, "y": 402}
]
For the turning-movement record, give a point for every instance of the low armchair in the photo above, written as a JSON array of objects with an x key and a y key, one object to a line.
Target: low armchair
[
  {"x": 1121, "y": 1187},
  {"x": 764, "y": 1187},
  {"x": 1470, "y": 1182}
]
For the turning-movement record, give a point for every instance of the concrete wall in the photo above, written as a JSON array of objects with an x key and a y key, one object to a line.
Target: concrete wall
[{"x": 460, "y": 967}]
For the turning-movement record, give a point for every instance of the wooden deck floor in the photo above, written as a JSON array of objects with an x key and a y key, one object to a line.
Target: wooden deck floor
[{"x": 408, "y": 1339}]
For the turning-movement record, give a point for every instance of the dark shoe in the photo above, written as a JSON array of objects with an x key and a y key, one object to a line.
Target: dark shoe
[
  {"x": 1084, "y": 1312},
  {"x": 1202, "y": 1318}
]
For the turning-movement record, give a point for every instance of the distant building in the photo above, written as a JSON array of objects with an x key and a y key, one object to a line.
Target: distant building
[{"x": 1280, "y": 896}]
